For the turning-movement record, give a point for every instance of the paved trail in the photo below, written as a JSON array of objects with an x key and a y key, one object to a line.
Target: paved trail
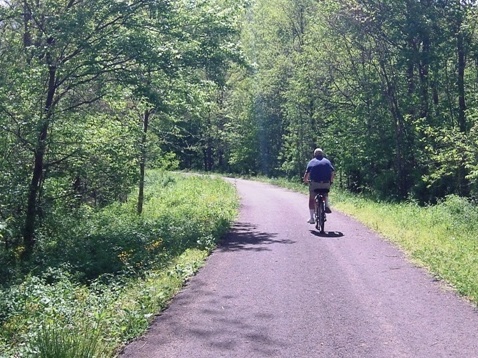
[{"x": 276, "y": 288}]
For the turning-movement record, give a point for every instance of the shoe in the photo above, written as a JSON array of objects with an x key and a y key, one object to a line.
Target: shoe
[
  {"x": 327, "y": 210},
  {"x": 311, "y": 221}
]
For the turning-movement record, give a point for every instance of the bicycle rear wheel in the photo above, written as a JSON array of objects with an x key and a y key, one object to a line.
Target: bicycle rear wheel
[
  {"x": 322, "y": 220},
  {"x": 320, "y": 216}
]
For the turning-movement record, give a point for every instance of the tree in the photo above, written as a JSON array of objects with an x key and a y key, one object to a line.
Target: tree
[
  {"x": 67, "y": 53},
  {"x": 366, "y": 80}
]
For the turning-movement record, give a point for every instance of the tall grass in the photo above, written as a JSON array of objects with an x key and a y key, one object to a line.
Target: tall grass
[
  {"x": 54, "y": 341},
  {"x": 443, "y": 238},
  {"x": 104, "y": 277}
]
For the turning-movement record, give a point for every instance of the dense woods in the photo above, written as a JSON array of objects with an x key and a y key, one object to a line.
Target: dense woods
[
  {"x": 387, "y": 88},
  {"x": 93, "y": 93},
  {"x": 90, "y": 91},
  {"x": 99, "y": 98}
]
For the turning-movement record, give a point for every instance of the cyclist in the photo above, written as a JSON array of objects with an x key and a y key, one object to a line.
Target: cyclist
[{"x": 319, "y": 175}]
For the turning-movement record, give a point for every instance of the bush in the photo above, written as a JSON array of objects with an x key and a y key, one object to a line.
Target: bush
[{"x": 103, "y": 274}]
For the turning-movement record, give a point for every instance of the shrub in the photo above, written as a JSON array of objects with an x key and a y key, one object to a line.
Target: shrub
[{"x": 102, "y": 275}]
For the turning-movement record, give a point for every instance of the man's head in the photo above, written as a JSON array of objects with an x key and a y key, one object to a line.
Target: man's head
[{"x": 318, "y": 152}]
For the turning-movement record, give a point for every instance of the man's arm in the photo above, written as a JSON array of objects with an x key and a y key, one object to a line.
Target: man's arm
[{"x": 306, "y": 177}]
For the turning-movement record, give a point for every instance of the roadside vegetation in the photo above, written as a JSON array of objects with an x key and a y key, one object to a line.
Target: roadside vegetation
[
  {"x": 103, "y": 277},
  {"x": 443, "y": 238},
  {"x": 95, "y": 92}
]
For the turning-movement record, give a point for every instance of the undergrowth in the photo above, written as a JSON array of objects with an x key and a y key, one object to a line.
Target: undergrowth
[
  {"x": 443, "y": 238},
  {"x": 102, "y": 276}
]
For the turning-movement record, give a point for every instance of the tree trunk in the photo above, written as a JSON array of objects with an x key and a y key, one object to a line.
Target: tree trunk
[
  {"x": 27, "y": 39},
  {"x": 39, "y": 158},
  {"x": 424, "y": 82},
  {"x": 398, "y": 126},
  {"x": 208, "y": 150},
  {"x": 461, "y": 83},
  {"x": 463, "y": 187},
  {"x": 142, "y": 161}
]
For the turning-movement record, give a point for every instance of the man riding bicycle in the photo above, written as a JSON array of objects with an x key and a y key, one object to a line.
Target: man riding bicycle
[{"x": 319, "y": 174}]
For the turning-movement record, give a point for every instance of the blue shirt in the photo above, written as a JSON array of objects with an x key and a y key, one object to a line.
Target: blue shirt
[{"x": 320, "y": 169}]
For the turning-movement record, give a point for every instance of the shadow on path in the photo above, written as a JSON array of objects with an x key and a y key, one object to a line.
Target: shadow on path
[
  {"x": 245, "y": 236},
  {"x": 219, "y": 327},
  {"x": 332, "y": 234}
]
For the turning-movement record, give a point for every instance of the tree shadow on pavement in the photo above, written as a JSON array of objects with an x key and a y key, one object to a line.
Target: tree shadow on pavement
[
  {"x": 219, "y": 328},
  {"x": 332, "y": 234},
  {"x": 244, "y": 236}
]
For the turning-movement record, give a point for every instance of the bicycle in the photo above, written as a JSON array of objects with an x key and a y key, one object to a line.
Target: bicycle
[{"x": 320, "y": 217}]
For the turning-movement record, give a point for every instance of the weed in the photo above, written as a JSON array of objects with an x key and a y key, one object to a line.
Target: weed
[
  {"x": 103, "y": 275},
  {"x": 443, "y": 237}
]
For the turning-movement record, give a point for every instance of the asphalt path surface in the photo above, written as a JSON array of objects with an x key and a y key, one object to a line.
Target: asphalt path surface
[{"x": 277, "y": 288}]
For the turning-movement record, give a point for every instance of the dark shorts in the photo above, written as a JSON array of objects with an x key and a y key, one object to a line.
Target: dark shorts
[{"x": 318, "y": 185}]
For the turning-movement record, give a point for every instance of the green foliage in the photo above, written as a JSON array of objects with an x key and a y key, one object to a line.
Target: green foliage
[
  {"x": 364, "y": 81},
  {"x": 441, "y": 237},
  {"x": 53, "y": 314},
  {"x": 67, "y": 342},
  {"x": 76, "y": 80},
  {"x": 116, "y": 239},
  {"x": 447, "y": 155},
  {"x": 103, "y": 274}
]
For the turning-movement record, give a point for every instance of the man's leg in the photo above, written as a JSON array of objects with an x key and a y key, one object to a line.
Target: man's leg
[
  {"x": 327, "y": 207},
  {"x": 326, "y": 196},
  {"x": 311, "y": 202},
  {"x": 311, "y": 208}
]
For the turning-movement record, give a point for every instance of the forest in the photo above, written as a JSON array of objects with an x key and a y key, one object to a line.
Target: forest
[
  {"x": 386, "y": 88},
  {"x": 96, "y": 94},
  {"x": 93, "y": 93}
]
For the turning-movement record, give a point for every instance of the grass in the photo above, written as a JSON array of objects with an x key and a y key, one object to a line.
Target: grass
[
  {"x": 442, "y": 238},
  {"x": 110, "y": 274},
  {"x": 68, "y": 342}
]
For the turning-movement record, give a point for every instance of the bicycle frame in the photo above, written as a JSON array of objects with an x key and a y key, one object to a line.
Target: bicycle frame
[{"x": 320, "y": 216}]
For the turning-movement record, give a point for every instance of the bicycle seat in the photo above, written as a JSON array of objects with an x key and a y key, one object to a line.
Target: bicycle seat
[{"x": 321, "y": 191}]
